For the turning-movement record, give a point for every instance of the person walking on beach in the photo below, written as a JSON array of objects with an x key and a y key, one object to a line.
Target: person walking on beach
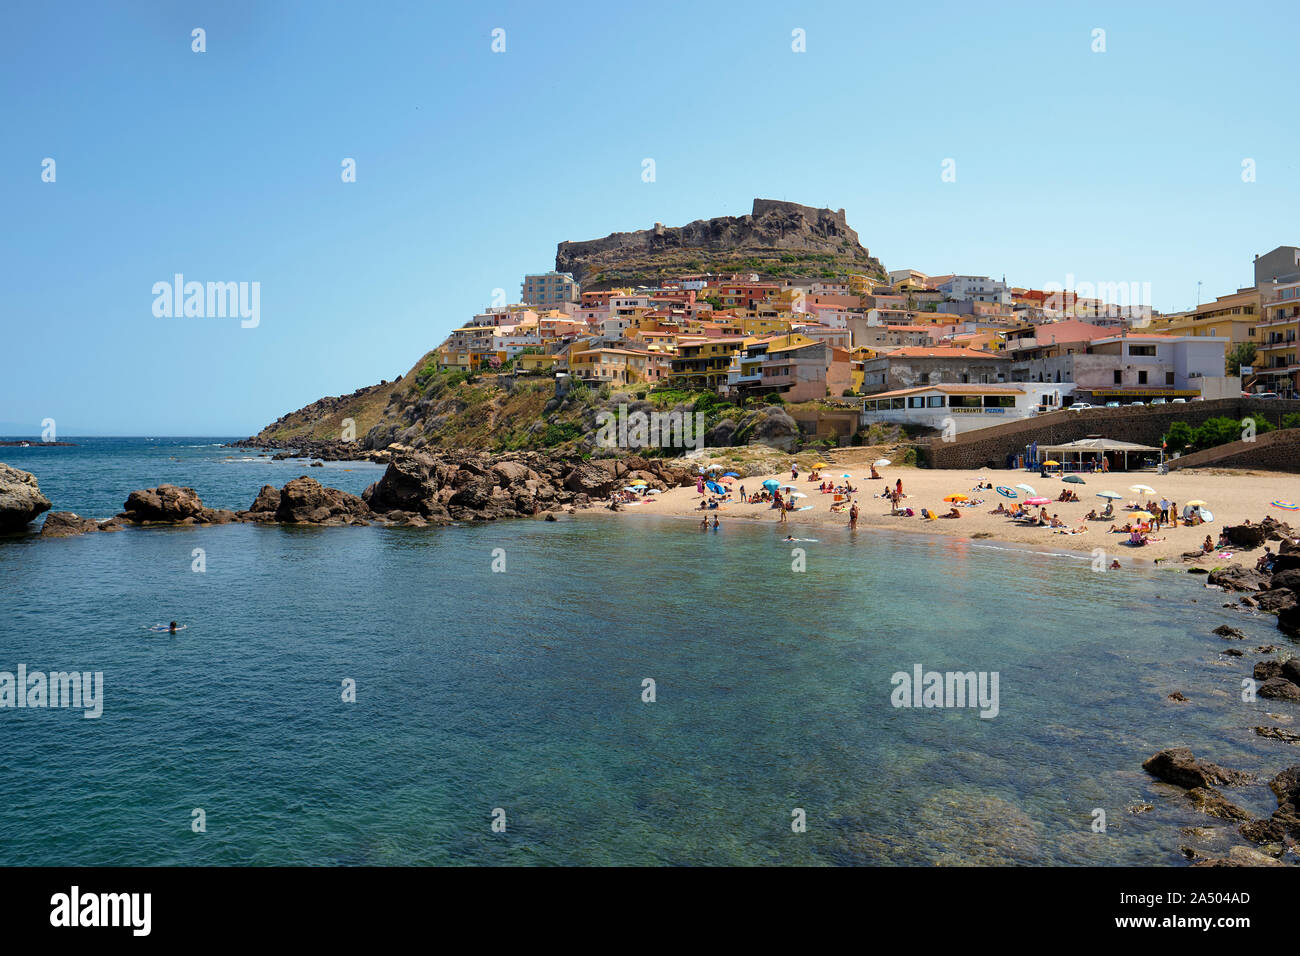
[
  {"x": 853, "y": 516},
  {"x": 794, "y": 470},
  {"x": 783, "y": 516},
  {"x": 742, "y": 492}
]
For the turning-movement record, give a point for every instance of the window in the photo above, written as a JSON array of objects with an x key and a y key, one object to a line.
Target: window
[
  {"x": 934, "y": 401},
  {"x": 1141, "y": 350},
  {"x": 999, "y": 401},
  {"x": 916, "y": 401},
  {"x": 1169, "y": 378},
  {"x": 964, "y": 401},
  {"x": 1119, "y": 377},
  {"x": 1142, "y": 378}
]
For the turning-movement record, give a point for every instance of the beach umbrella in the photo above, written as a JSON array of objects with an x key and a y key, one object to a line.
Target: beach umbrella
[
  {"x": 1196, "y": 503},
  {"x": 1074, "y": 480},
  {"x": 1206, "y": 514},
  {"x": 798, "y": 494},
  {"x": 716, "y": 488},
  {"x": 630, "y": 488},
  {"x": 732, "y": 474},
  {"x": 956, "y": 498},
  {"x": 1286, "y": 505},
  {"x": 1006, "y": 492},
  {"x": 1027, "y": 489},
  {"x": 640, "y": 481},
  {"x": 654, "y": 491},
  {"x": 1038, "y": 501},
  {"x": 1144, "y": 489},
  {"x": 715, "y": 468},
  {"x": 819, "y": 464},
  {"x": 726, "y": 479},
  {"x": 846, "y": 475},
  {"x": 771, "y": 484},
  {"x": 882, "y": 462},
  {"x": 1109, "y": 494},
  {"x": 1142, "y": 515},
  {"x": 1052, "y": 463},
  {"x": 790, "y": 487}
]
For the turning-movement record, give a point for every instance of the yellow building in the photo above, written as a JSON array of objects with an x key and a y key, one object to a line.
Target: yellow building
[
  {"x": 771, "y": 323},
  {"x": 861, "y": 284},
  {"x": 616, "y": 366},
  {"x": 704, "y": 364},
  {"x": 536, "y": 362},
  {"x": 1233, "y": 317}
]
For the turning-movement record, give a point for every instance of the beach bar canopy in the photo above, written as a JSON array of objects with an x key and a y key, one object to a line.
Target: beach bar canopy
[{"x": 1078, "y": 452}]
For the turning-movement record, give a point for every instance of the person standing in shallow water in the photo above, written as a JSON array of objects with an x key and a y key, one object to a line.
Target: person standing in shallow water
[{"x": 853, "y": 516}]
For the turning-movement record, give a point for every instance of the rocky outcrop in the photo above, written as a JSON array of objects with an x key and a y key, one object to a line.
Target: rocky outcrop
[
  {"x": 1284, "y": 824},
  {"x": 803, "y": 239},
  {"x": 21, "y": 501},
  {"x": 1246, "y": 537},
  {"x": 473, "y": 486},
  {"x": 772, "y": 426},
  {"x": 1180, "y": 767},
  {"x": 1236, "y": 578},
  {"x": 306, "y": 501},
  {"x": 410, "y": 483},
  {"x": 171, "y": 504},
  {"x": 1211, "y": 801},
  {"x": 65, "y": 524}
]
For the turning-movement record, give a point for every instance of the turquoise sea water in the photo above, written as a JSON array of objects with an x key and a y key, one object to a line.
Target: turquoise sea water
[{"x": 522, "y": 690}]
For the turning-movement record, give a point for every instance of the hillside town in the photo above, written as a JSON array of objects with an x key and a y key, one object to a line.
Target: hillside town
[{"x": 910, "y": 348}]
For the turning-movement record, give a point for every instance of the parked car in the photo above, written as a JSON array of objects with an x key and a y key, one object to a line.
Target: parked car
[
  {"x": 1266, "y": 395},
  {"x": 1079, "y": 406},
  {"x": 1112, "y": 404},
  {"x": 1179, "y": 401},
  {"x": 1143, "y": 404},
  {"x": 1158, "y": 401}
]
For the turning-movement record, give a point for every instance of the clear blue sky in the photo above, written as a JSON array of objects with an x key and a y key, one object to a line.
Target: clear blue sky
[{"x": 1122, "y": 166}]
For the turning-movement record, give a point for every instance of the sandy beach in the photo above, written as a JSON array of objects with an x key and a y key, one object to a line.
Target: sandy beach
[{"x": 1232, "y": 497}]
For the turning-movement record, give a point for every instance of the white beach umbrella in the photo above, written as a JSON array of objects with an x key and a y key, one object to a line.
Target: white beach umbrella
[
  {"x": 1027, "y": 489},
  {"x": 1144, "y": 489},
  {"x": 882, "y": 462}
]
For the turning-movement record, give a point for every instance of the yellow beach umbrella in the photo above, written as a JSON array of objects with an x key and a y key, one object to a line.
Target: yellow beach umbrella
[
  {"x": 1053, "y": 463},
  {"x": 1142, "y": 515},
  {"x": 956, "y": 498},
  {"x": 1197, "y": 503},
  {"x": 819, "y": 464}
]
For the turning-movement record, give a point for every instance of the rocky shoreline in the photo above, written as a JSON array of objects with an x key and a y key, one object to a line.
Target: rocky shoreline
[
  {"x": 416, "y": 490},
  {"x": 1277, "y": 837}
]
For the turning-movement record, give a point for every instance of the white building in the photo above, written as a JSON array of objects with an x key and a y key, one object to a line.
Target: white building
[{"x": 963, "y": 408}]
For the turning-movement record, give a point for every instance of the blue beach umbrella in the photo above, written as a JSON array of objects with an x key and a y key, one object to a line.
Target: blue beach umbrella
[
  {"x": 771, "y": 484},
  {"x": 716, "y": 488},
  {"x": 731, "y": 474}
]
